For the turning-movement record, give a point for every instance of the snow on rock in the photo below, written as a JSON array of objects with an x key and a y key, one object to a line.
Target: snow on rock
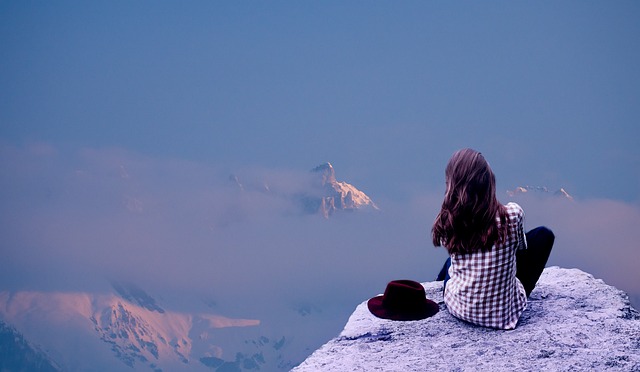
[
  {"x": 316, "y": 192},
  {"x": 82, "y": 330},
  {"x": 337, "y": 195},
  {"x": 572, "y": 322}
]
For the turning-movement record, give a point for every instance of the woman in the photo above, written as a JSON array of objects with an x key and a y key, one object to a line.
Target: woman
[{"x": 493, "y": 265}]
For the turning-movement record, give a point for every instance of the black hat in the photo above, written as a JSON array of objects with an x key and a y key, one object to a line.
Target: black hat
[{"x": 403, "y": 300}]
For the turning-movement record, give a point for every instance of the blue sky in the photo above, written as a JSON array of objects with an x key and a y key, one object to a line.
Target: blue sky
[
  {"x": 386, "y": 91},
  {"x": 120, "y": 123}
]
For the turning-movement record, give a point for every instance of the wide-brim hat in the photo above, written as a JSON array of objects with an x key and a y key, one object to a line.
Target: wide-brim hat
[{"x": 403, "y": 300}]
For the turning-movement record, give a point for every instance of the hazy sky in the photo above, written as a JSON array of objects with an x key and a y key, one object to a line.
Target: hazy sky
[
  {"x": 384, "y": 90},
  {"x": 120, "y": 123}
]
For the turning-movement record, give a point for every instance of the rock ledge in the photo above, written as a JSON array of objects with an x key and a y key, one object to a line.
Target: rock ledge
[{"x": 572, "y": 322}]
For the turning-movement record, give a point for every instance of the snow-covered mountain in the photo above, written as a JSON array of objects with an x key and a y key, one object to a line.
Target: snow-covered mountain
[
  {"x": 539, "y": 190},
  {"x": 318, "y": 192},
  {"x": 124, "y": 330},
  {"x": 334, "y": 195}
]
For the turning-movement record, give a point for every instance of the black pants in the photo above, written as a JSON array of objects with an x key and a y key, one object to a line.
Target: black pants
[{"x": 529, "y": 262}]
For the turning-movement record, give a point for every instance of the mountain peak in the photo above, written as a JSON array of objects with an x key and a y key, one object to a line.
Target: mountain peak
[
  {"x": 136, "y": 295},
  {"x": 316, "y": 192},
  {"x": 327, "y": 171},
  {"x": 563, "y": 193},
  {"x": 335, "y": 195}
]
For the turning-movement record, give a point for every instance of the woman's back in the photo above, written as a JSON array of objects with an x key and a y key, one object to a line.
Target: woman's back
[{"x": 483, "y": 288}]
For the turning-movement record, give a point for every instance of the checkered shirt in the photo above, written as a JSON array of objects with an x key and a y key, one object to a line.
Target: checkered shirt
[{"x": 483, "y": 288}]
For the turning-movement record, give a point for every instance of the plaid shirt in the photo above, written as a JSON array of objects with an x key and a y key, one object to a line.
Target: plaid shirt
[{"x": 483, "y": 288}]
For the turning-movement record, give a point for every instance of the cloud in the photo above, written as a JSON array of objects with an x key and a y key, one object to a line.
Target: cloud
[
  {"x": 599, "y": 236},
  {"x": 80, "y": 218},
  {"x": 192, "y": 238},
  {"x": 75, "y": 220}
]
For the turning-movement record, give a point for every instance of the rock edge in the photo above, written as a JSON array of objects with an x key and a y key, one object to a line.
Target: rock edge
[{"x": 573, "y": 321}]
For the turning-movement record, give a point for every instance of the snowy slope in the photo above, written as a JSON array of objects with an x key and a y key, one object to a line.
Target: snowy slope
[{"x": 81, "y": 331}]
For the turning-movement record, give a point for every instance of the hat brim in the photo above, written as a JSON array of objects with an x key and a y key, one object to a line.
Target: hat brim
[{"x": 422, "y": 311}]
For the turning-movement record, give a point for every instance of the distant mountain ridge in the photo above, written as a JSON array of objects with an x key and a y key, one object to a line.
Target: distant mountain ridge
[{"x": 541, "y": 190}]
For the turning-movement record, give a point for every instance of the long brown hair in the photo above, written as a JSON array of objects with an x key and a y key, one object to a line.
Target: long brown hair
[{"x": 467, "y": 222}]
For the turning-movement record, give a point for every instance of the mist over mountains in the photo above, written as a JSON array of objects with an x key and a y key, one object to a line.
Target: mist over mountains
[
  {"x": 178, "y": 244},
  {"x": 322, "y": 193},
  {"x": 122, "y": 123},
  {"x": 124, "y": 326}
]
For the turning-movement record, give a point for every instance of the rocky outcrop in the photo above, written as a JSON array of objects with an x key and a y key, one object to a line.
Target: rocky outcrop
[{"x": 572, "y": 322}]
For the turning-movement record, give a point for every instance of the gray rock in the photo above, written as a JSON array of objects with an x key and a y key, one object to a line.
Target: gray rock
[{"x": 572, "y": 322}]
